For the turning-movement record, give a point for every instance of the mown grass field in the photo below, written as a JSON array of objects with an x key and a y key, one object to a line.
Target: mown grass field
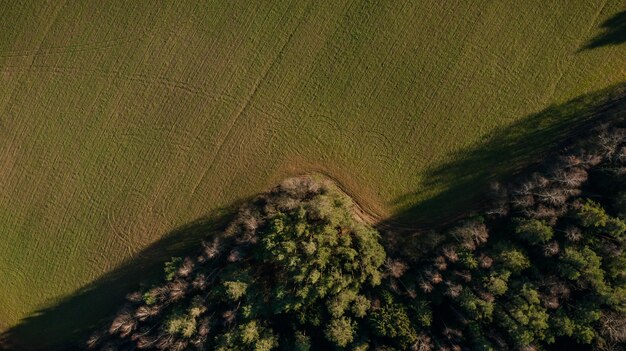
[{"x": 121, "y": 121}]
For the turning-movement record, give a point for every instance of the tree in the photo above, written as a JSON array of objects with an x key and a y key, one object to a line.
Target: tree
[
  {"x": 497, "y": 283},
  {"x": 583, "y": 264},
  {"x": 340, "y": 331},
  {"x": 591, "y": 214},
  {"x": 235, "y": 290},
  {"x": 534, "y": 231},
  {"x": 180, "y": 323},
  {"x": 392, "y": 321},
  {"x": 171, "y": 267},
  {"x": 477, "y": 308},
  {"x": 524, "y": 317},
  {"x": 302, "y": 342},
  {"x": 513, "y": 259}
]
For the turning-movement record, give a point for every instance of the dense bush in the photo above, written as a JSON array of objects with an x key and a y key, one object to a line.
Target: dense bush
[{"x": 295, "y": 270}]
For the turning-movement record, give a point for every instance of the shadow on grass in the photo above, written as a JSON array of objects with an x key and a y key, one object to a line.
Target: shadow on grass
[
  {"x": 66, "y": 325},
  {"x": 506, "y": 152},
  {"x": 614, "y": 32}
]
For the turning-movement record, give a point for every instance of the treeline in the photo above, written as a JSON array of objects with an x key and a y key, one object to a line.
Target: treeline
[
  {"x": 294, "y": 270},
  {"x": 543, "y": 269}
]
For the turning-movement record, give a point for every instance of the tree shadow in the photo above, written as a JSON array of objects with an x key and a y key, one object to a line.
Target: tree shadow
[
  {"x": 505, "y": 153},
  {"x": 66, "y": 325},
  {"x": 614, "y": 33},
  {"x": 508, "y": 150}
]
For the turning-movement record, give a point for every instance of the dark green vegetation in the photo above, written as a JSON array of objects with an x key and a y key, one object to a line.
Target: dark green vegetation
[
  {"x": 544, "y": 268},
  {"x": 121, "y": 121},
  {"x": 293, "y": 265}
]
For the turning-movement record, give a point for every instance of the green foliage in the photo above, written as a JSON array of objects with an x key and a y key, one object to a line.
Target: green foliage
[
  {"x": 149, "y": 298},
  {"x": 476, "y": 307},
  {"x": 467, "y": 259},
  {"x": 583, "y": 264},
  {"x": 340, "y": 331},
  {"x": 616, "y": 227},
  {"x": 309, "y": 268},
  {"x": 534, "y": 231},
  {"x": 329, "y": 258},
  {"x": 497, "y": 283},
  {"x": 478, "y": 339},
  {"x": 235, "y": 290},
  {"x": 252, "y": 335},
  {"x": 392, "y": 321},
  {"x": 513, "y": 260},
  {"x": 180, "y": 323},
  {"x": 360, "y": 306},
  {"x": 302, "y": 342},
  {"x": 591, "y": 214},
  {"x": 577, "y": 323},
  {"x": 171, "y": 267},
  {"x": 421, "y": 312},
  {"x": 524, "y": 317},
  {"x": 311, "y": 275}
]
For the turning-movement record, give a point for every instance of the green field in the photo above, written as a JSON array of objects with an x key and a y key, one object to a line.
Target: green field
[{"x": 121, "y": 121}]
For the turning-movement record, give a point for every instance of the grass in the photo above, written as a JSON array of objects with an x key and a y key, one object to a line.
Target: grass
[{"x": 121, "y": 121}]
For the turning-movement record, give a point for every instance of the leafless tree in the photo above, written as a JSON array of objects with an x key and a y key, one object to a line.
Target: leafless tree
[
  {"x": 179, "y": 345},
  {"x": 478, "y": 232},
  {"x": 550, "y": 302},
  {"x": 609, "y": 140},
  {"x": 94, "y": 339},
  {"x": 235, "y": 255},
  {"x": 229, "y": 316},
  {"x": 177, "y": 289},
  {"x": 185, "y": 268},
  {"x": 423, "y": 343},
  {"x": 524, "y": 189},
  {"x": 425, "y": 286},
  {"x": 123, "y": 324},
  {"x": 436, "y": 278},
  {"x": 144, "y": 312},
  {"x": 211, "y": 250},
  {"x": 614, "y": 326},
  {"x": 573, "y": 234},
  {"x": 590, "y": 160},
  {"x": 453, "y": 290},
  {"x": 134, "y": 297},
  {"x": 440, "y": 263},
  {"x": 551, "y": 248},
  {"x": 573, "y": 177},
  {"x": 146, "y": 341},
  {"x": 556, "y": 287},
  {"x": 487, "y": 296},
  {"x": 450, "y": 253},
  {"x": 200, "y": 282},
  {"x": 552, "y": 196},
  {"x": 165, "y": 341},
  {"x": 485, "y": 261},
  {"x": 523, "y": 201},
  {"x": 395, "y": 267}
]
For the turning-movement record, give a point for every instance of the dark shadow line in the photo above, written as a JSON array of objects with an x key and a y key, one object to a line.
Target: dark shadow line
[
  {"x": 614, "y": 33},
  {"x": 505, "y": 153},
  {"x": 67, "y": 324}
]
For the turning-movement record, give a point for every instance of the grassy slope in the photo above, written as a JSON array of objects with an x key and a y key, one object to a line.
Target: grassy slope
[{"x": 120, "y": 122}]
